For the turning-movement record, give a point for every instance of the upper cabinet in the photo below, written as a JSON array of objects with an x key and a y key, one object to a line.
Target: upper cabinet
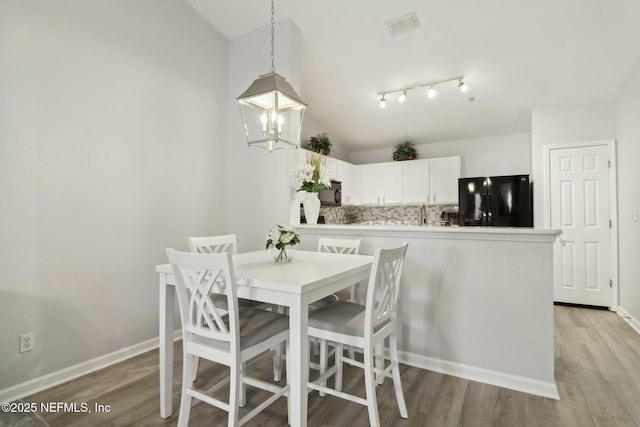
[
  {"x": 443, "y": 179},
  {"x": 433, "y": 181},
  {"x": 428, "y": 181},
  {"x": 381, "y": 183}
]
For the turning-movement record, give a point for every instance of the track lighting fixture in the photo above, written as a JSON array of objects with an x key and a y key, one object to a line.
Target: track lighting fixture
[
  {"x": 431, "y": 92},
  {"x": 463, "y": 87}
]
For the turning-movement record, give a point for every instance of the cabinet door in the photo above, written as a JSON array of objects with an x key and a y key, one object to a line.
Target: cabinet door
[
  {"x": 415, "y": 176},
  {"x": 444, "y": 176},
  {"x": 332, "y": 166},
  {"x": 370, "y": 184},
  {"x": 391, "y": 183},
  {"x": 346, "y": 175}
]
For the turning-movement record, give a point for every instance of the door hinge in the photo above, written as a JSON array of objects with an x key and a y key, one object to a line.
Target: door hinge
[
  {"x": 609, "y": 223},
  {"x": 610, "y": 283},
  {"x": 609, "y": 162}
]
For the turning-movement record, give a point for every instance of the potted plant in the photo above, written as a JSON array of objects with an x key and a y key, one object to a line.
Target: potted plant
[
  {"x": 404, "y": 151},
  {"x": 321, "y": 144}
]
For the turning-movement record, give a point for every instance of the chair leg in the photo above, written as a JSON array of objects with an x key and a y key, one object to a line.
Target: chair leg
[
  {"x": 185, "y": 400},
  {"x": 277, "y": 362},
  {"x": 242, "y": 397},
  {"x": 196, "y": 364},
  {"x": 370, "y": 387},
  {"x": 393, "y": 352},
  {"x": 339, "y": 364},
  {"x": 286, "y": 367},
  {"x": 236, "y": 392},
  {"x": 324, "y": 356},
  {"x": 379, "y": 357}
]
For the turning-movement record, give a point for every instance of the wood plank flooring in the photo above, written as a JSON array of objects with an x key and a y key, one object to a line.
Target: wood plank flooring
[{"x": 597, "y": 358}]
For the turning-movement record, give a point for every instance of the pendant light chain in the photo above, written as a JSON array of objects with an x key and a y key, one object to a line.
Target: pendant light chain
[{"x": 273, "y": 37}]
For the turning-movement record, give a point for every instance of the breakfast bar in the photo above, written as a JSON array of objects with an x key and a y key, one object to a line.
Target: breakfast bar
[{"x": 475, "y": 302}]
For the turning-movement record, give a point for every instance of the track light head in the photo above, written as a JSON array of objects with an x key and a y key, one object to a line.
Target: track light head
[
  {"x": 462, "y": 86},
  {"x": 383, "y": 102},
  {"x": 402, "y": 97},
  {"x": 431, "y": 93}
]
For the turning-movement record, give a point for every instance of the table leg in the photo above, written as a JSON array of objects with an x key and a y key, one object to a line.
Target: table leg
[
  {"x": 299, "y": 363},
  {"x": 167, "y": 311}
]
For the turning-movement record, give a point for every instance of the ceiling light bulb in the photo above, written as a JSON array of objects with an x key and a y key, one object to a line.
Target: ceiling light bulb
[
  {"x": 383, "y": 102},
  {"x": 431, "y": 93},
  {"x": 402, "y": 97},
  {"x": 463, "y": 87}
]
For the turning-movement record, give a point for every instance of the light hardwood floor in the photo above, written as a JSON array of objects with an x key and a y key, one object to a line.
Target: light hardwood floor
[{"x": 597, "y": 358}]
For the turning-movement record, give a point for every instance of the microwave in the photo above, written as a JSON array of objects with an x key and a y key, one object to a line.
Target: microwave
[{"x": 331, "y": 196}]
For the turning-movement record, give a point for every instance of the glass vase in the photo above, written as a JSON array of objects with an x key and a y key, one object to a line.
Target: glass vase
[{"x": 282, "y": 256}]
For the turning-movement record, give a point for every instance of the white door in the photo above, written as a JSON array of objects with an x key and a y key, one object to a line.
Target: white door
[{"x": 579, "y": 187}]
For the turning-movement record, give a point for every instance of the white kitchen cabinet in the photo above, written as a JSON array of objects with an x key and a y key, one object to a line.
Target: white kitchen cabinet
[
  {"x": 381, "y": 183},
  {"x": 347, "y": 175},
  {"x": 416, "y": 180},
  {"x": 443, "y": 179},
  {"x": 433, "y": 181}
]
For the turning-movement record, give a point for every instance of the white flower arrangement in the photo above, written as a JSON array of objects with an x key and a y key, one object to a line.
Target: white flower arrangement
[
  {"x": 281, "y": 237},
  {"x": 311, "y": 177}
]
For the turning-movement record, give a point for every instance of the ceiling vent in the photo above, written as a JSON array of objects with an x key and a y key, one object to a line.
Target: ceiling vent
[{"x": 404, "y": 24}]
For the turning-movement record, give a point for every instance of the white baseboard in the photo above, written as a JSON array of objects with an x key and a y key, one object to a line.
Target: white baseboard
[
  {"x": 500, "y": 379},
  {"x": 633, "y": 322},
  {"x": 44, "y": 382}
]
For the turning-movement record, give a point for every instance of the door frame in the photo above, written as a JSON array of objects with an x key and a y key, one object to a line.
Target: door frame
[{"x": 613, "y": 203}]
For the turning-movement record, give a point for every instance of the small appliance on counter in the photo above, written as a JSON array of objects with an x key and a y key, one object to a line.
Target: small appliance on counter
[
  {"x": 498, "y": 201},
  {"x": 448, "y": 218},
  {"x": 331, "y": 196}
]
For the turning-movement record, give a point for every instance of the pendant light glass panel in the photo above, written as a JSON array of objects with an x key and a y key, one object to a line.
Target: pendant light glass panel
[{"x": 272, "y": 113}]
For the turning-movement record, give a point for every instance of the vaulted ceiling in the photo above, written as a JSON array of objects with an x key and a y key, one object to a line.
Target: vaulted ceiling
[{"x": 515, "y": 56}]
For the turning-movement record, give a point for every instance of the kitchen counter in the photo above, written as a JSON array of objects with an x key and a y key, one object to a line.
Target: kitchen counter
[
  {"x": 475, "y": 302},
  {"x": 436, "y": 232}
]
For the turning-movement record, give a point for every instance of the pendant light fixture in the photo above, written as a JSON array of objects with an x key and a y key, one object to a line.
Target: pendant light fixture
[{"x": 271, "y": 110}]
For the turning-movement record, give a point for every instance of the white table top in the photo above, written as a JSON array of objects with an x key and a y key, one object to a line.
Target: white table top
[{"x": 309, "y": 270}]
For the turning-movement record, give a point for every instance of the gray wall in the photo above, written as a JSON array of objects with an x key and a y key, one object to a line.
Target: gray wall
[
  {"x": 628, "y": 156},
  {"x": 489, "y": 156},
  {"x": 113, "y": 120}
]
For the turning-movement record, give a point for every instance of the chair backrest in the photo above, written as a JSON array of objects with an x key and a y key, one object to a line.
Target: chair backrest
[
  {"x": 214, "y": 244},
  {"x": 339, "y": 246},
  {"x": 384, "y": 284},
  {"x": 199, "y": 278}
]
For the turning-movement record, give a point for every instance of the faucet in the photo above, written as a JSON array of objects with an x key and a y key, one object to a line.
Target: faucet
[{"x": 423, "y": 215}]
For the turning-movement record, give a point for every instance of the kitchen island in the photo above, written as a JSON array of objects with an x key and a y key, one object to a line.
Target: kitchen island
[{"x": 475, "y": 302}]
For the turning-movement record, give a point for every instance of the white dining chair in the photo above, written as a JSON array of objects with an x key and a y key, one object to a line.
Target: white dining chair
[
  {"x": 335, "y": 246},
  {"x": 365, "y": 327},
  {"x": 229, "y": 336},
  {"x": 338, "y": 246},
  {"x": 229, "y": 243}
]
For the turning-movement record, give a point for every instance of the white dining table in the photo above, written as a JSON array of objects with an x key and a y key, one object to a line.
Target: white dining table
[{"x": 309, "y": 277}]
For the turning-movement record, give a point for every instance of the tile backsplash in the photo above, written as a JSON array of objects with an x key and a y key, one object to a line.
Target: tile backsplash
[{"x": 385, "y": 215}]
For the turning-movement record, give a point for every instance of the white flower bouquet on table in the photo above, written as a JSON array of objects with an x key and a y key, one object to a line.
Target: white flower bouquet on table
[{"x": 278, "y": 239}]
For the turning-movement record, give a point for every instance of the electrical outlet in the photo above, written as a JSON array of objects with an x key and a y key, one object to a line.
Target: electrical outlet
[{"x": 26, "y": 342}]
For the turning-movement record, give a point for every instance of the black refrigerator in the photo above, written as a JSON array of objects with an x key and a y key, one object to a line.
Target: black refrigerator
[{"x": 498, "y": 201}]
